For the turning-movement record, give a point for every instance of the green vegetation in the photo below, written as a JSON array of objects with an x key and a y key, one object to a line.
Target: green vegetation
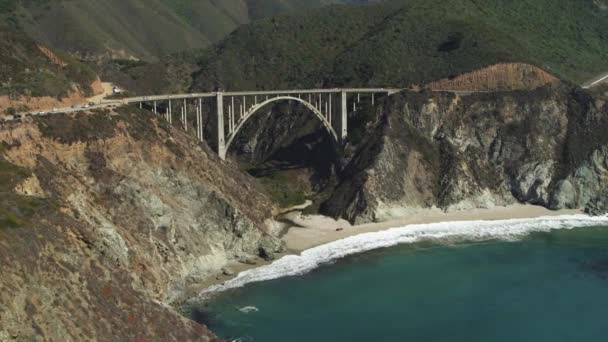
[
  {"x": 399, "y": 43},
  {"x": 259, "y": 9},
  {"x": 143, "y": 78},
  {"x": 286, "y": 51},
  {"x": 7, "y": 6},
  {"x": 284, "y": 186},
  {"x": 128, "y": 64},
  {"x": 147, "y": 29},
  {"x": 94, "y": 28}
]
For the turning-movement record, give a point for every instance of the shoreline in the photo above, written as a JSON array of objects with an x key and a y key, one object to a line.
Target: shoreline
[
  {"x": 313, "y": 231},
  {"x": 309, "y": 232}
]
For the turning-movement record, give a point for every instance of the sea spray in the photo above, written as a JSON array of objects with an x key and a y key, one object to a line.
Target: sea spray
[{"x": 310, "y": 259}]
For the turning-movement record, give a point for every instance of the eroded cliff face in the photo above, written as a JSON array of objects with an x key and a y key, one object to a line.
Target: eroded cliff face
[
  {"x": 545, "y": 147},
  {"x": 131, "y": 213}
]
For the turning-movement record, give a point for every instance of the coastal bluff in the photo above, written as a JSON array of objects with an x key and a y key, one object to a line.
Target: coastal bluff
[
  {"x": 428, "y": 149},
  {"x": 107, "y": 218}
]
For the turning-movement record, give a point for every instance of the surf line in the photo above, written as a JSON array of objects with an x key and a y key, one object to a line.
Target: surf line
[{"x": 454, "y": 231}]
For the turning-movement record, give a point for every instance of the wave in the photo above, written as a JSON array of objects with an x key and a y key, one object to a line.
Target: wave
[
  {"x": 248, "y": 309},
  {"x": 310, "y": 259}
]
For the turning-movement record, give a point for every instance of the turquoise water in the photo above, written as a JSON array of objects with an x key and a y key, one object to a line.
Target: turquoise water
[{"x": 545, "y": 287}]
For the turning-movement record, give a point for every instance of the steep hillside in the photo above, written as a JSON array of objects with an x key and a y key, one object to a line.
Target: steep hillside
[
  {"x": 544, "y": 147},
  {"x": 145, "y": 29},
  {"x": 115, "y": 28},
  {"x": 501, "y": 77},
  {"x": 107, "y": 218},
  {"x": 259, "y": 9},
  {"x": 400, "y": 43},
  {"x": 287, "y": 51},
  {"x": 29, "y": 69}
]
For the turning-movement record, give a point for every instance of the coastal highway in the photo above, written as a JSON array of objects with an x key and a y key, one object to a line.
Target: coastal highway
[
  {"x": 596, "y": 81},
  {"x": 166, "y": 97},
  {"x": 118, "y": 102},
  {"x": 70, "y": 109}
]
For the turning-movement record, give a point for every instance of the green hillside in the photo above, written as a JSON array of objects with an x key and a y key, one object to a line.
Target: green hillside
[
  {"x": 259, "y": 9},
  {"x": 145, "y": 29},
  {"x": 118, "y": 28},
  {"x": 401, "y": 42}
]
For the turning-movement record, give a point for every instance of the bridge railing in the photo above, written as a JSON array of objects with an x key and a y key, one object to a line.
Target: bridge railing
[{"x": 166, "y": 97}]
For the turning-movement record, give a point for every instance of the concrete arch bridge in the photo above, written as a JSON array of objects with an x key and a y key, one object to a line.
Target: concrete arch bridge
[{"x": 233, "y": 109}]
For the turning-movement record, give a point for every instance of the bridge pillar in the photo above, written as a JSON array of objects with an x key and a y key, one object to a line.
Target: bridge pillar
[
  {"x": 169, "y": 115},
  {"x": 185, "y": 118},
  {"x": 221, "y": 140},
  {"x": 200, "y": 120},
  {"x": 343, "y": 117}
]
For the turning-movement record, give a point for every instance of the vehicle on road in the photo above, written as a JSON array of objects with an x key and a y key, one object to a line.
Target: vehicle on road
[
  {"x": 73, "y": 106},
  {"x": 41, "y": 113},
  {"x": 54, "y": 110},
  {"x": 86, "y": 105},
  {"x": 17, "y": 116}
]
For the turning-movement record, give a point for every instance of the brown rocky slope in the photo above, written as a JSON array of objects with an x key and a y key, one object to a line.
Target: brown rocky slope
[
  {"x": 106, "y": 218},
  {"x": 498, "y": 77}
]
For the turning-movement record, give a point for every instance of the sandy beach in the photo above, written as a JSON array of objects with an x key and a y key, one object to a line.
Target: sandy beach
[{"x": 311, "y": 231}]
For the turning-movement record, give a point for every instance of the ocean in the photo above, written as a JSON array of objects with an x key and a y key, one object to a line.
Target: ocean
[{"x": 540, "y": 279}]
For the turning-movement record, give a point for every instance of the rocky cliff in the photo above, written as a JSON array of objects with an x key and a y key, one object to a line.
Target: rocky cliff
[
  {"x": 545, "y": 147},
  {"x": 108, "y": 217}
]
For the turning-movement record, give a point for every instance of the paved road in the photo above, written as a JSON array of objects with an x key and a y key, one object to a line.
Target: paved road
[
  {"x": 596, "y": 81},
  {"x": 69, "y": 109},
  {"x": 166, "y": 97},
  {"x": 118, "y": 102}
]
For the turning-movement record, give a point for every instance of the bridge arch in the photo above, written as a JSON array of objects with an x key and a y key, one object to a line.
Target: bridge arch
[{"x": 254, "y": 109}]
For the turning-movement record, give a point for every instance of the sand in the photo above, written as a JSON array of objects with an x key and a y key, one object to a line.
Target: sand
[{"x": 312, "y": 231}]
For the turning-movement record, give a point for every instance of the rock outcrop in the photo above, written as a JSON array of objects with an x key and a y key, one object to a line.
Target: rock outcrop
[
  {"x": 545, "y": 147},
  {"x": 598, "y": 205},
  {"x": 132, "y": 214}
]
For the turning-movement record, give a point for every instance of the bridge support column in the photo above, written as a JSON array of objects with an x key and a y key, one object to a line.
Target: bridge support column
[
  {"x": 169, "y": 115},
  {"x": 185, "y": 119},
  {"x": 200, "y": 120},
  {"x": 221, "y": 140},
  {"x": 182, "y": 116},
  {"x": 343, "y": 117},
  {"x": 329, "y": 113}
]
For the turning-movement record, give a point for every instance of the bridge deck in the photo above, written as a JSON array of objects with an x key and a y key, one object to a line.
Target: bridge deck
[{"x": 257, "y": 93}]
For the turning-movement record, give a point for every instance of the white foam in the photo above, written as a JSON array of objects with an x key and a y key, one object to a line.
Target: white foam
[
  {"x": 248, "y": 309},
  {"x": 310, "y": 259}
]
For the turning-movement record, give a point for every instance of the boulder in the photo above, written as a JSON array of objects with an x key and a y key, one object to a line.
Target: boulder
[
  {"x": 228, "y": 272},
  {"x": 599, "y": 205}
]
